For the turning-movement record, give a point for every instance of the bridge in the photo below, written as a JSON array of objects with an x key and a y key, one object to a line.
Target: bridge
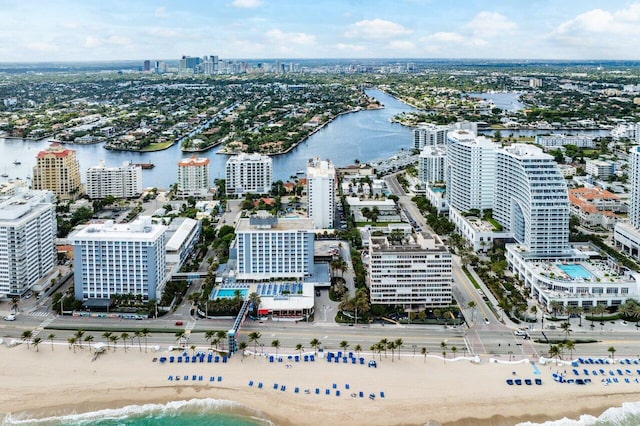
[
  {"x": 189, "y": 276},
  {"x": 232, "y": 333}
]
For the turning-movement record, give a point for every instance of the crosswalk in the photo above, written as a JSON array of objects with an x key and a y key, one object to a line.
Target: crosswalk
[
  {"x": 40, "y": 314},
  {"x": 42, "y": 325}
]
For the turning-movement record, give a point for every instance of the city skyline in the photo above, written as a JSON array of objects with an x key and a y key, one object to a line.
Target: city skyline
[{"x": 74, "y": 30}]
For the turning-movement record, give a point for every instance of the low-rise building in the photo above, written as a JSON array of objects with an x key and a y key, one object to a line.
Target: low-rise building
[
  {"x": 600, "y": 169},
  {"x": 183, "y": 234},
  {"x": 595, "y": 206}
]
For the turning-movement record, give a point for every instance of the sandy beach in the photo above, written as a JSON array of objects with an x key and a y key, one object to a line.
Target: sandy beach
[{"x": 52, "y": 383}]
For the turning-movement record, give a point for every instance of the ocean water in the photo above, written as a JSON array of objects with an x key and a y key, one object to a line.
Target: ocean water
[
  {"x": 194, "y": 412},
  {"x": 627, "y": 415}
]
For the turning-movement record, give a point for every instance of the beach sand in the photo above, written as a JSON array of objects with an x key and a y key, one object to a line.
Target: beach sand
[{"x": 51, "y": 383}]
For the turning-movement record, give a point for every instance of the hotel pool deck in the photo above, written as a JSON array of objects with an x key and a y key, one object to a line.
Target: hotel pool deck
[
  {"x": 575, "y": 271},
  {"x": 227, "y": 293},
  {"x": 579, "y": 271}
]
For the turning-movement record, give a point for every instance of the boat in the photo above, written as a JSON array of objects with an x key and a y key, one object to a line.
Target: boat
[
  {"x": 5, "y": 174},
  {"x": 145, "y": 166},
  {"x": 300, "y": 172},
  {"x": 16, "y": 162}
]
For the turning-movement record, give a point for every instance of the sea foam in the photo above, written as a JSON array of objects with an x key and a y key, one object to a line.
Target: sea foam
[
  {"x": 626, "y": 415},
  {"x": 172, "y": 408}
]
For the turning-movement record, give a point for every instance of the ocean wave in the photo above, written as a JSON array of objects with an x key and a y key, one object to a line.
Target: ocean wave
[
  {"x": 170, "y": 409},
  {"x": 626, "y": 415}
]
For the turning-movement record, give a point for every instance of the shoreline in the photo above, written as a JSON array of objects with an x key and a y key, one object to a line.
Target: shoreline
[{"x": 458, "y": 393}]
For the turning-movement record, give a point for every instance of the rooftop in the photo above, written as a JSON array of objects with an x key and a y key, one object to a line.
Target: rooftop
[
  {"x": 270, "y": 223},
  {"x": 138, "y": 230}
]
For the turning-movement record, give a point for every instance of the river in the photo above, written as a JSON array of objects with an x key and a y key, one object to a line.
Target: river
[{"x": 366, "y": 136}]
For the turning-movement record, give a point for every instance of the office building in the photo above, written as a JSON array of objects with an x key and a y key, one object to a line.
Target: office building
[
  {"x": 27, "y": 233},
  {"x": 531, "y": 199},
  {"x": 471, "y": 171},
  {"x": 111, "y": 259},
  {"x": 57, "y": 170},
  {"x": 119, "y": 182},
  {"x": 321, "y": 181},
  {"x": 193, "y": 177},
  {"x": 429, "y": 135},
  {"x": 267, "y": 248},
  {"x": 413, "y": 271},
  {"x": 248, "y": 174}
]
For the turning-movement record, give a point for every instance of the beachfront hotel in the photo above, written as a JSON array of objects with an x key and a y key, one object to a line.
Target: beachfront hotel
[
  {"x": 321, "y": 182},
  {"x": 248, "y": 174},
  {"x": 27, "y": 233},
  {"x": 57, "y": 170},
  {"x": 410, "y": 270},
  {"x": 112, "y": 259},
  {"x": 627, "y": 235},
  {"x": 119, "y": 182},
  {"x": 268, "y": 247},
  {"x": 193, "y": 177}
]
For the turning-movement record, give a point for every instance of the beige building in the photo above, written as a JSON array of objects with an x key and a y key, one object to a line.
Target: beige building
[{"x": 57, "y": 170}]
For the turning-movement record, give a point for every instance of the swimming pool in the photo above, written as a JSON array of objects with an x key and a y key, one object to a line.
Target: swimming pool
[
  {"x": 227, "y": 293},
  {"x": 575, "y": 271}
]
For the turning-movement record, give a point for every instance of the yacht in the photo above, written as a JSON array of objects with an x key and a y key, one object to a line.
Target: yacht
[{"x": 17, "y": 162}]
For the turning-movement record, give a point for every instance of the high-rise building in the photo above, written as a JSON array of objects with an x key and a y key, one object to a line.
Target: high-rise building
[
  {"x": 429, "y": 135},
  {"x": 321, "y": 181},
  {"x": 119, "y": 182},
  {"x": 267, "y": 247},
  {"x": 413, "y": 271},
  {"x": 531, "y": 199},
  {"x": 471, "y": 168},
  {"x": 248, "y": 174},
  {"x": 57, "y": 170},
  {"x": 627, "y": 235},
  {"x": 432, "y": 164},
  {"x": 111, "y": 259},
  {"x": 193, "y": 177},
  {"x": 27, "y": 233},
  {"x": 146, "y": 65}
]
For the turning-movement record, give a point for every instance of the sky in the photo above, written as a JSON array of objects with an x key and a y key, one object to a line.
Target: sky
[{"x": 90, "y": 30}]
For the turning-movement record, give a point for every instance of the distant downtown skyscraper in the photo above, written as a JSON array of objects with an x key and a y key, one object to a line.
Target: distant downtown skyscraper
[
  {"x": 321, "y": 182},
  {"x": 57, "y": 170}
]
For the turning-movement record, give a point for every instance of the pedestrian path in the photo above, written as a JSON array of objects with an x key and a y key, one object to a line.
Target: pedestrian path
[
  {"x": 42, "y": 326},
  {"x": 40, "y": 314}
]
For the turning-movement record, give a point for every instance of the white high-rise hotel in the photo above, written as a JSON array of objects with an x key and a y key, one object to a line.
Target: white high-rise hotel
[
  {"x": 321, "y": 181},
  {"x": 193, "y": 177},
  {"x": 27, "y": 232},
  {"x": 430, "y": 135},
  {"x": 627, "y": 235},
  {"x": 112, "y": 259},
  {"x": 119, "y": 182},
  {"x": 249, "y": 174}
]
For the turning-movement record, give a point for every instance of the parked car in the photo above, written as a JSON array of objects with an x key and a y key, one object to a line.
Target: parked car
[
  {"x": 486, "y": 321},
  {"x": 10, "y": 317},
  {"x": 179, "y": 323}
]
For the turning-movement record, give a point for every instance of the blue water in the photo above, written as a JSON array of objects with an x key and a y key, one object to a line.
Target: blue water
[
  {"x": 195, "y": 412},
  {"x": 228, "y": 293},
  {"x": 575, "y": 271},
  {"x": 506, "y": 101},
  {"x": 626, "y": 415},
  {"x": 365, "y": 136}
]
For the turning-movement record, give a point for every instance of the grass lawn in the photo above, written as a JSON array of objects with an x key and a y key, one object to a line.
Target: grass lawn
[{"x": 158, "y": 146}]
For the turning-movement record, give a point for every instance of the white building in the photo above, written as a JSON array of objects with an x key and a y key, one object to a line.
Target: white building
[
  {"x": 27, "y": 233},
  {"x": 267, "y": 247},
  {"x": 321, "y": 182},
  {"x": 558, "y": 140},
  {"x": 432, "y": 164},
  {"x": 600, "y": 169},
  {"x": 429, "y": 135},
  {"x": 471, "y": 171},
  {"x": 413, "y": 272},
  {"x": 119, "y": 182},
  {"x": 183, "y": 234},
  {"x": 249, "y": 174},
  {"x": 627, "y": 235},
  {"x": 193, "y": 177},
  {"x": 531, "y": 199},
  {"x": 112, "y": 259}
]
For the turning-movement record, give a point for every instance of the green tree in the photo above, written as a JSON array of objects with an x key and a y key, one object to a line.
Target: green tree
[
  {"x": 315, "y": 344},
  {"x": 399, "y": 342},
  {"x": 566, "y": 327},
  {"x": 276, "y": 344},
  {"x": 344, "y": 345},
  {"x": 51, "y": 337},
  {"x": 208, "y": 337},
  {"x": 570, "y": 345},
  {"x": 554, "y": 352},
  {"x": 145, "y": 333},
  {"x": 443, "y": 346},
  {"x": 612, "y": 350},
  {"x": 424, "y": 352},
  {"x": 242, "y": 346},
  {"x": 124, "y": 336},
  {"x": 36, "y": 343},
  {"x": 78, "y": 335},
  {"x": 107, "y": 337},
  {"x": 299, "y": 348},
  {"x": 254, "y": 337}
]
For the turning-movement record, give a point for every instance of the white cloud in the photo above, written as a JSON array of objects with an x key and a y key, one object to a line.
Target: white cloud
[
  {"x": 43, "y": 47},
  {"x": 446, "y": 37},
  {"x": 92, "y": 42},
  {"x": 246, "y": 4},
  {"x": 377, "y": 29},
  {"x": 119, "y": 40},
  {"x": 403, "y": 45},
  {"x": 349, "y": 47},
  {"x": 161, "y": 12},
  {"x": 280, "y": 37},
  {"x": 163, "y": 32},
  {"x": 490, "y": 24}
]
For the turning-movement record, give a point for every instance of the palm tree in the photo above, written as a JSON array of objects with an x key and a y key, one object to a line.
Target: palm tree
[
  {"x": 443, "y": 345},
  {"x": 107, "y": 337},
  {"x": 566, "y": 327},
  {"x": 72, "y": 343},
  {"x": 556, "y": 307},
  {"x": 373, "y": 348},
  {"x": 145, "y": 333},
  {"x": 472, "y": 306},
  {"x": 114, "y": 339},
  {"x": 453, "y": 350},
  {"x": 384, "y": 342},
  {"x": 612, "y": 350},
  {"x": 358, "y": 349},
  {"x": 241, "y": 347},
  {"x": 379, "y": 347},
  {"x": 26, "y": 336},
  {"x": 315, "y": 344},
  {"x": 254, "y": 336},
  {"x": 554, "y": 351},
  {"x": 193, "y": 349},
  {"x": 208, "y": 336},
  {"x": 600, "y": 310},
  {"x": 570, "y": 345},
  {"x": 51, "y": 337},
  {"x": 36, "y": 342},
  {"x": 299, "y": 348},
  {"x": 575, "y": 310},
  {"x": 138, "y": 334},
  {"x": 276, "y": 344},
  {"x": 424, "y": 352},
  {"x": 399, "y": 344},
  {"x": 88, "y": 338},
  {"x": 392, "y": 345},
  {"x": 221, "y": 335},
  {"x": 124, "y": 336},
  {"x": 344, "y": 345},
  {"x": 255, "y": 300},
  {"x": 78, "y": 335}
]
